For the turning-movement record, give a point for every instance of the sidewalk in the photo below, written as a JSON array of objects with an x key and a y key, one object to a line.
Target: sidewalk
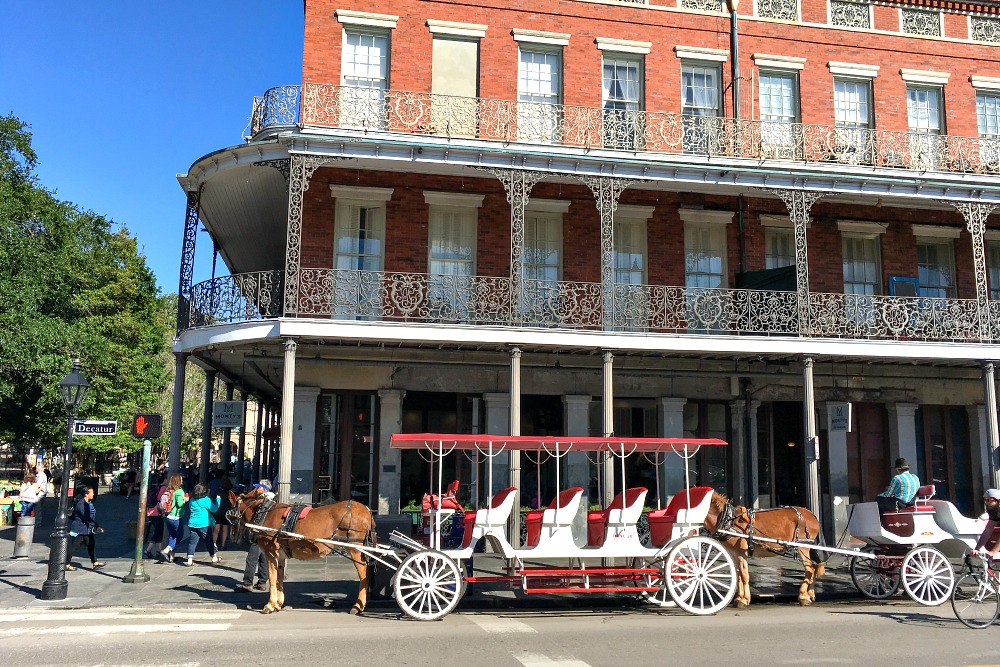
[{"x": 329, "y": 582}]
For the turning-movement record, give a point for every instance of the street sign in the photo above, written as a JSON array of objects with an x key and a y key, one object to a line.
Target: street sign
[
  {"x": 147, "y": 426},
  {"x": 227, "y": 414},
  {"x": 91, "y": 427}
]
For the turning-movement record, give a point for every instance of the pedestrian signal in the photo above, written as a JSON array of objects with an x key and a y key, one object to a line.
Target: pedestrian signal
[{"x": 147, "y": 426}]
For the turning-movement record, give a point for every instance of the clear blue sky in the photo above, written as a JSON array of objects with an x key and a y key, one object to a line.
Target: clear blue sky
[{"x": 123, "y": 96}]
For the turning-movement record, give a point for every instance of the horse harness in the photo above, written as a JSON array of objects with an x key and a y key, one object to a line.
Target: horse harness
[
  {"x": 728, "y": 520},
  {"x": 297, "y": 511}
]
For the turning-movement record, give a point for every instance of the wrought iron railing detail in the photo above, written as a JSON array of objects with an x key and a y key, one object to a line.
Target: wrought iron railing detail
[
  {"x": 328, "y": 105},
  {"x": 850, "y": 14},
  {"x": 279, "y": 106},
  {"x": 985, "y": 29},
  {"x": 239, "y": 298},
  {"x": 921, "y": 22},
  {"x": 893, "y": 317}
]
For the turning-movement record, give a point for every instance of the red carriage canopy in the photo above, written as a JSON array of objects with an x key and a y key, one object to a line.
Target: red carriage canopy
[{"x": 483, "y": 441}]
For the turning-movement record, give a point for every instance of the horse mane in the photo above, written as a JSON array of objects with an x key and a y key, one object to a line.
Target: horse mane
[{"x": 719, "y": 498}]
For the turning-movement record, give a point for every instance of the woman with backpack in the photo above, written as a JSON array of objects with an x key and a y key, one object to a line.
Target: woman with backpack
[
  {"x": 202, "y": 509},
  {"x": 154, "y": 517},
  {"x": 171, "y": 506}
]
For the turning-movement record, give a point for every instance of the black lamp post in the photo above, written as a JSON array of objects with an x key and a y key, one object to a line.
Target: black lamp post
[{"x": 73, "y": 389}]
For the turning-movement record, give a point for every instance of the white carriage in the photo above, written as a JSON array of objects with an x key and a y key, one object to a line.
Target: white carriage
[
  {"x": 579, "y": 549},
  {"x": 916, "y": 546}
]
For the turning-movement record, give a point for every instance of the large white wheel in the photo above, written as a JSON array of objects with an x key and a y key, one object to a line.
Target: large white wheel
[
  {"x": 700, "y": 575},
  {"x": 876, "y": 578},
  {"x": 928, "y": 576},
  {"x": 660, "y": 598},
  {"x": 427, "y": 585}
]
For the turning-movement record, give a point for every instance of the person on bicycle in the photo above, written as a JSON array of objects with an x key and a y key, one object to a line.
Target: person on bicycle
[
  {"x": 992, "y": 500},
  {"x": 902, "y": 489}
]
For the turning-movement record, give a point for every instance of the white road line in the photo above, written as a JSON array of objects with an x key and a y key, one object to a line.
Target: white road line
[
  {"x": 500, "y": 626},
  {"x": 77, "y": 615},
  {"x": 115, "y": 629},
  {"x": 159, "y": 664},
  {"x": 538, "y": 660}
]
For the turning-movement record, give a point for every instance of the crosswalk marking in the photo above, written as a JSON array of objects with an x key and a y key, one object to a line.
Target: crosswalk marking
[
  {"x": 114, "y": 629},
  {"x": 539, "y": 660},
  {"x": 90, "y": 615},
  {"x": 500, "y": 626}
]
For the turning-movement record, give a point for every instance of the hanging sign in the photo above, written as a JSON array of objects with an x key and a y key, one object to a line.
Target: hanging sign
[
  {"x": 839, "y": 417},
  {"x": 227, "y": 414}
]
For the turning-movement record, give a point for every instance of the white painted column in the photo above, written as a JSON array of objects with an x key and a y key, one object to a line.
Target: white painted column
[
  {"x": 576, "y": 422},
  {"x": 902, "y": 433},
  {"x": 738, "y": 474},
  {"x": 497, "y": 423},
  {"x": 837, "y": 465},
  {"x": 671, "y": 420},
  {"x": 514, "y": 457},
  {"x": 287, "y": 423},
  {"x": 992, "y": 430},
  {"x": 303, "y": 444},
  {"x": 608, "y": 426},
  {"x": 812, "y": 439},
  {"x": 390, "y": 415},
  {"x": 754, "y": 453}
]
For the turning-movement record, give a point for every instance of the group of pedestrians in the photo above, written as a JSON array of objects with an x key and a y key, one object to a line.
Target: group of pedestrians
[{"x": 197, "y": 516}]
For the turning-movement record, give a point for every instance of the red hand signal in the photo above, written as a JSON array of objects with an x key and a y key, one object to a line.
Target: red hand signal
[{"x": 140, "y": 425}]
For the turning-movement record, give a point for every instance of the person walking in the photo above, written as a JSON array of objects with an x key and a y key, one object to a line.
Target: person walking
[
  {"x": 29, "y": 494},
  {"x": 255, "y": 557},
  {"x": 171, "y": 505},
  {"x": 83, "y": 526},
  {"x": 220, "y": 531},
  {"x": 42, "y": 479},
  {"x": 154, "y": 517},
  {"x": 201, "y": 509}
]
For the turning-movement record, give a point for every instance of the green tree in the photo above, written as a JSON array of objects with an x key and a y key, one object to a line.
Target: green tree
[{"x": 70, "y": 287}]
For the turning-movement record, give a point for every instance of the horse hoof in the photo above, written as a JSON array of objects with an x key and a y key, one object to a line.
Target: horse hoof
[
  {"x": 356, "y": 610},
  {"x": 742, "y": 605},
  {"x": 805, "y": 603},
  {"x": 268, "y": 610}
]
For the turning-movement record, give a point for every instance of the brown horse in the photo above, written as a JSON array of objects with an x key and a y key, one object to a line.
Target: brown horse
[
  {"x": 795, "y": 524},
  {"x": 347, "y": 520}
]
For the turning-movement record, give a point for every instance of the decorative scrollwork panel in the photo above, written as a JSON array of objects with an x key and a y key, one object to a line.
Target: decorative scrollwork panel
[{"x": 239, "y": 298}]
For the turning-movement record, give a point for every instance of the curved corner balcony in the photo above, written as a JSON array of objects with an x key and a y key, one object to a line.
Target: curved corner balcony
[
  {"x": 319, "y": 105},
  {"x": 653, "y": 309}
]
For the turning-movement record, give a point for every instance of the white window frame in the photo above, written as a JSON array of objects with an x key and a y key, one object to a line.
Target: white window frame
[
  {"x": 780, "y": 132},
  {"x": 943, "y": 237},
  {"x": 775, "y": 228},
  {"x": 715, "y": 224},
  {"x": 347, "y": 201},
  {"x": 869, "y": 233},
  {"x": 989, "y": 142},
  {"x": 362, "y": 98},
  {"x": 539, "y": 112},
  {"x": 549, "y": 212},
  {"x": 633, "y": 218},
  {"x": 993, "y": 263}
]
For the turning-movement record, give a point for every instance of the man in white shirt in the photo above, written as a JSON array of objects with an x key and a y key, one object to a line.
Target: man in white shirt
[{"x": 43, "y": 490}]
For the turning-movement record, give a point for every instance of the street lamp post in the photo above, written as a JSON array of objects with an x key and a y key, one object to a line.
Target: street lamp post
[{"x": 73, "y": 389}]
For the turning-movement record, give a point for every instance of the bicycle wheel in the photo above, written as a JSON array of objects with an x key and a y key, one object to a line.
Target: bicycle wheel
[{"x": 976, "y": 601}]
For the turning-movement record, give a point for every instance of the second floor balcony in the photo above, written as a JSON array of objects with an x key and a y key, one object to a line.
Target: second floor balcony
[
  {"x": 382, "y": 296},
  {"x": 317, "y": 105}
]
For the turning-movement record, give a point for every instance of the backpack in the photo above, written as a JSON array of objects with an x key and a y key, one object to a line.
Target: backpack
[{"x": 166, "y": 502}]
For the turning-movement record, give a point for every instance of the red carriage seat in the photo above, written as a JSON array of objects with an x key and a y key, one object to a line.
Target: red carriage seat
[
  {"x": 661, "y": 522},
  {"x": 533, "y": 520},
  {"x": 597, "y": 522},
  {"x": 495, "y": 516},
  {"x": 921, "y": 502}
]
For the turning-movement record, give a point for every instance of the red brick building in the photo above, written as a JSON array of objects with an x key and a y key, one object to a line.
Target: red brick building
[{"x": 769, "y": 224}]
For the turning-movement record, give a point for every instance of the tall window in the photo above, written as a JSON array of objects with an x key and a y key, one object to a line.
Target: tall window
[
  {"x": 358, "y": 250},
  {"x": 454, "y": 80},
  {"x": 700, "y": 105},
  {"x": 852, "y": 113},
  {"x": 988, "y": 116},
  {"x": 705, "y": 256},
  {"x": 862, "y": 265},
  {"x": 365, "y": 78},
  {"x": 778, "y": 114},
  {"x": 542, "y": 246},
  {"x": 451, "y": 262},
  {"x": 993, "y": 268},
  {"x": 622, "y": 93},
  {"x": 779, "y": 247},
  {"x": 924, "y": 110},
  {"x": 936, "y": 267},
  {"x": 539, "y": 74},
  {"x": 630, "y": 251}
]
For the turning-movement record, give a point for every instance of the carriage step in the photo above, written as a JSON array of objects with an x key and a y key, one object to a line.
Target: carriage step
[
  {"x": 581, "y": 589},
  {"x": 548, "y": 573}
]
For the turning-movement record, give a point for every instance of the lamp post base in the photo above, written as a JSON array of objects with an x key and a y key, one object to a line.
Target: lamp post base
[
  {"x": 137, "y": 575},
  {"x": 54, "y": 590}
]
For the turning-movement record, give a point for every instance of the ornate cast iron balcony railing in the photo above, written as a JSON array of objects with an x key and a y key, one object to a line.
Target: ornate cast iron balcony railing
[
  {"x": 239, "y": 298},
  {"x": 497, "y": 301},
  {"x": 333, "y": 106}
]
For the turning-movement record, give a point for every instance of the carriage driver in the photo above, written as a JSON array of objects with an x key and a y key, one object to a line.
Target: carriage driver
[
  {"x": 902, "y": 489},
  {"x": 992, "y": 500}
]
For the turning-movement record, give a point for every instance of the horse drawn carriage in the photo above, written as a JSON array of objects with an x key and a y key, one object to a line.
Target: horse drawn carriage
[{"x": 915, "y": 546}]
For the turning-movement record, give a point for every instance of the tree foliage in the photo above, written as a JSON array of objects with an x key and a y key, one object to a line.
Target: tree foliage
[{"x": 71, "y": 286}]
